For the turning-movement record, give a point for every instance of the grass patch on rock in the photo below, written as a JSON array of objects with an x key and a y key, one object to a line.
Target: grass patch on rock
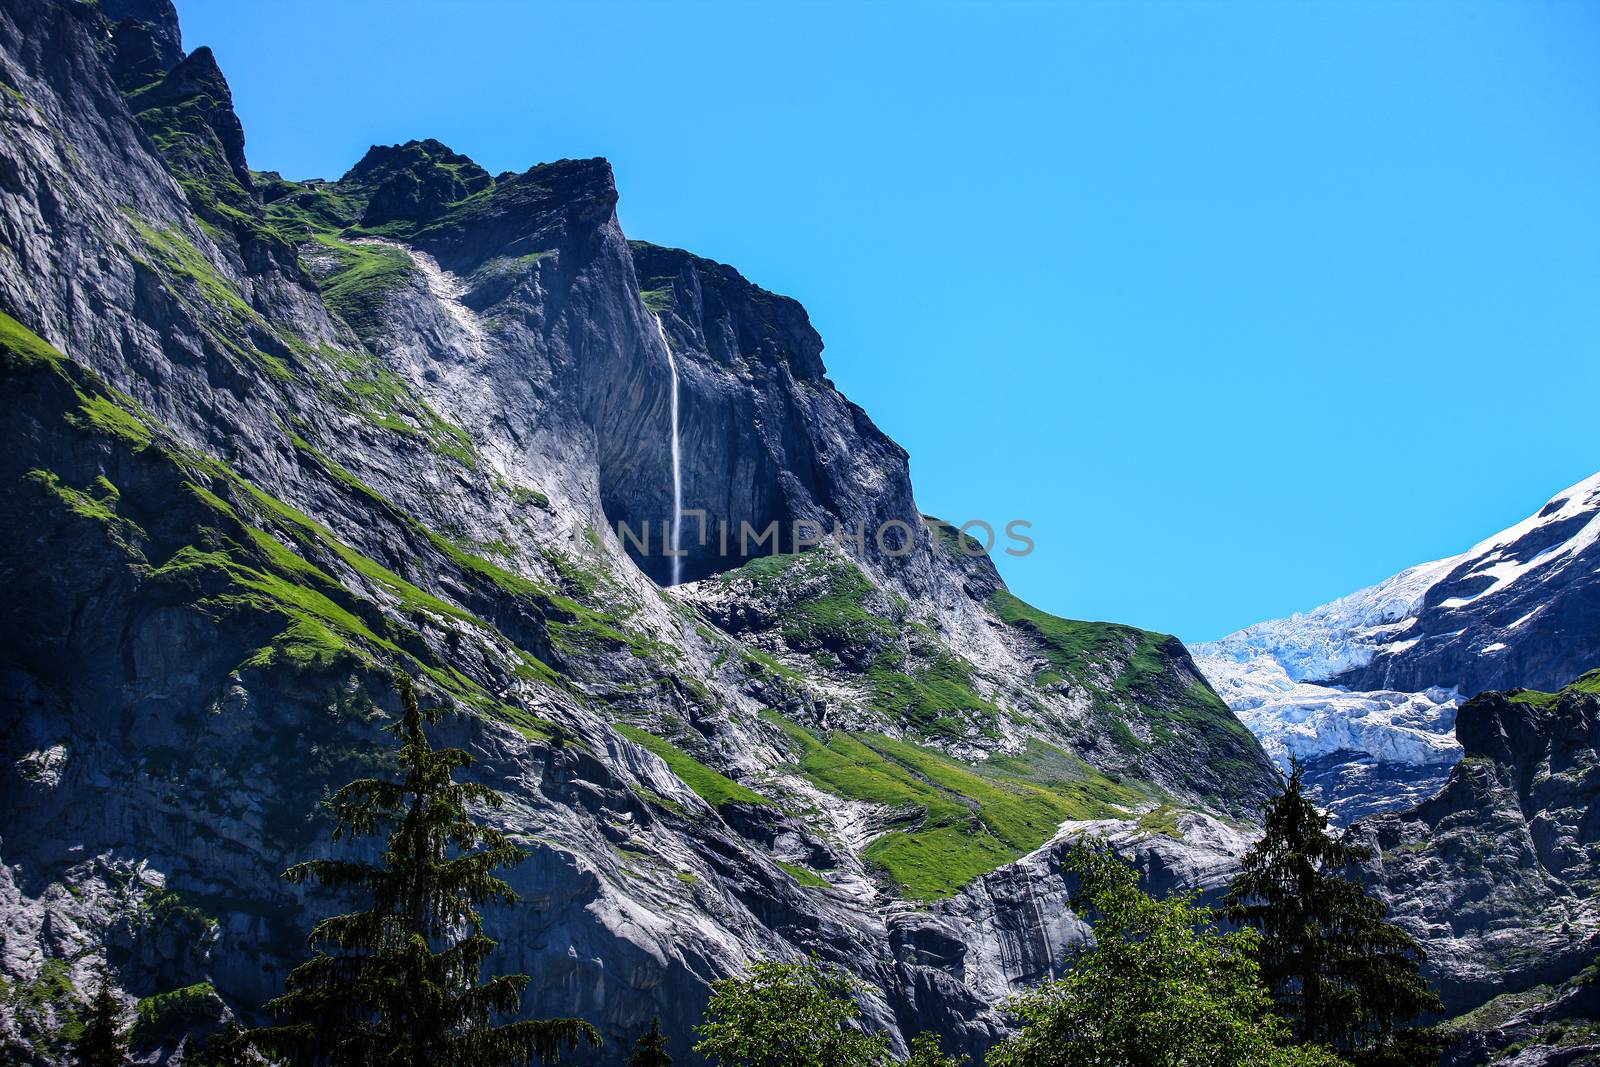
[
  {"x": 712, "y": 786},
  {"x": 958, "y": 821}
]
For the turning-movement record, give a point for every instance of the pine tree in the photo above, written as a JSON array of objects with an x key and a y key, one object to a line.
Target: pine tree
[
  {"x": 1340, "y": 974},
  {"x": 229, "y": 1047},
  {"x": 651, "y": 1048},
  {"x": 104, "y": 1040},
  {"x": 398, "y": 985}
]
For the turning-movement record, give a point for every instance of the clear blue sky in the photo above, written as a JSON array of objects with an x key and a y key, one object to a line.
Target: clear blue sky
[{"x": 1243, "y": 305}]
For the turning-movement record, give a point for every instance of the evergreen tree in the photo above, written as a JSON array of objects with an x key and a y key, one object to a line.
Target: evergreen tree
[
  {"x": 788, "y": 1015},
  {"x": 1160, "y": 986},
  {"x": 398, "y": 985},
  {"x": 651, "y": 1048},
  {"x": 1338, "y": 972},
  {"x": 229, "y": 1047},
  {"x": 104, "y": 1039}
]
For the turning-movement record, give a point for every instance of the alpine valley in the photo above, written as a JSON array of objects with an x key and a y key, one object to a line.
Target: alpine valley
[{"x": 264, "y": 442}]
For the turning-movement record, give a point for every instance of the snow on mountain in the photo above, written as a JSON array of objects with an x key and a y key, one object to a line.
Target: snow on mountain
[
  {"x": 1307, "y": 720},
  {"x": 1341, "y": 635},
  {"x": 1375, "y": 677}
]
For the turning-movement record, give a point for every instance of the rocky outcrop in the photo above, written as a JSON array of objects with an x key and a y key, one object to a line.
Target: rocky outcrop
[
  {"x": 265, "y": 441},
  {"x": 1497, "y": 875},
  {"x": 1547, "y": 1026}
]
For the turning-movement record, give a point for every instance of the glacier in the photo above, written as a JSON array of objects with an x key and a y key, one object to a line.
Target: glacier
[{"x": 1304, "y": 685}]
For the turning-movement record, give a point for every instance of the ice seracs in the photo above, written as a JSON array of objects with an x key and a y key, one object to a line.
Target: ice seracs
[{"x": 1319, "y": 685}]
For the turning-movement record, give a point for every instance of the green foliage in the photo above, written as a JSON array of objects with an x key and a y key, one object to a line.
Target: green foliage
[
  {"x": 255, "y": 555},
  {"x": 831, "y": 610},
  {"x": 182, "y": 260},
  {"x": 651, "y": 1048},
  {"x": 44, "y": 1011},
  {"x": 24, "y": 347},
  {"x": 787, "y": 1015},
  {"x": 218, "y": 307},
  {"x": 175, "y": 1011},
  {"x": 351, "y": 377},
  {"x": 804, "y": 876},
  {"x": 962, "y": 821},
  {"x": 100, "y": 407},
  {"x": 232, "y": 1046},
  {"x": 97, "y": 502},
  {"x": 180, "y": 114},
  {"x": 399, "y": 983},
  {"x": 1160, "y": 986},
  {"x": 1162, "y": 820},
  {"x": 1075, "y": 649},
  {"x": 51, "y": 988},
  {"x": 1339, "y": 973},
  {"x": 1588, "y": 683},
  {"x": 925, "y": 1052},
  {"x": 948, "y": 538},
  {"x": 764, "y": 665},
  {"x": 714, "y": 788},
  {"x": 301, "y": 210},
  {"x": 103, "y": 1041},
  {"x": 362, "y": 385},
  {"x": 925, "y": 698},
  {"x": 521, "y": 494},
  {"x": 366, "y": 274},
  {"x": 823, "y": 603},
  {"x": 1154, "y": 681}
]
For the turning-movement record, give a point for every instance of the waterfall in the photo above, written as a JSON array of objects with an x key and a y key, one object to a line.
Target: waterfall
[{"x": 677, "y": 462}]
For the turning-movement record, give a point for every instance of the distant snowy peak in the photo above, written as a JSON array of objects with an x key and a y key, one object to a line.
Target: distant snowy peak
[
  {"x": 1366, "y": 687},
  {"x": 1341, "y": 637},
  {"x": 1521, "y": 608}
]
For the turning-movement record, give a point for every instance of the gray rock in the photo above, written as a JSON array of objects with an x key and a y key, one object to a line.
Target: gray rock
[{"x": 271, "y": 466}]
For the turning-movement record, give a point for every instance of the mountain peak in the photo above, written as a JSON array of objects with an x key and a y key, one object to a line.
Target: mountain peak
[
  {"x": 1374, "y": 678},
  {"x": 416, "y": 181}
]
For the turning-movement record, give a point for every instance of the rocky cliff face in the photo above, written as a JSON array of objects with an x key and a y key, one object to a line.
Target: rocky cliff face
[
  {"x": 1366, "y": 688},
  {"x": 266, "y": 440},
  {"x": 1497, "y": 875}
]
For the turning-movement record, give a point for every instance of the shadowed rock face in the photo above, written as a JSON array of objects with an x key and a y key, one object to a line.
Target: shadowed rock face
[
  {"x": 765, "y": 436},
  {"x": 265, "y": 440}
]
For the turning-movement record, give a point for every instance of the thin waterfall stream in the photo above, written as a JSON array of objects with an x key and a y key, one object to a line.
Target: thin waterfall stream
[{"x": 677, "y": 460}]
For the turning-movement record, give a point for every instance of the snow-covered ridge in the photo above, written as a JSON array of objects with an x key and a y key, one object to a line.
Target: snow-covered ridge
[
  {"x": 1347, "y": 633},
  {"x": 1276, "y": 674}
]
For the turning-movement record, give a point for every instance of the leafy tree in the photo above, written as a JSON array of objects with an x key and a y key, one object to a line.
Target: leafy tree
[
  {"x": 398, "y": 984},
  {"x": 104, "y": 1039},
  {"x": 925, "y": 1052},
  {"x": 1159, "y": 987},
  {"x": 651, "y": 1048},
  {"x": 788, "y": 1015},
  {"x": 1340, "y": 974}
]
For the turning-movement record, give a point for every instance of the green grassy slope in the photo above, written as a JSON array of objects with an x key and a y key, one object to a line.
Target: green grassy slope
[{"x": 957, "y": 821}]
